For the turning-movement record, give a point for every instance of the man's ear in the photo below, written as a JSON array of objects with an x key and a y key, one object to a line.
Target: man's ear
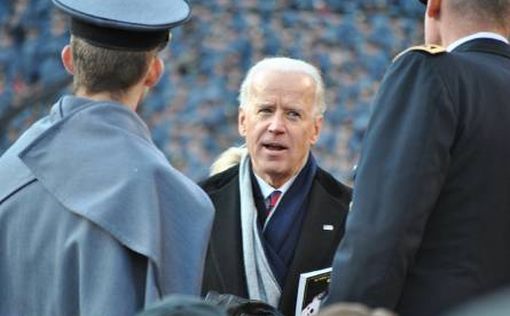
[
  {"x": 156, "y": 69},
  {"x": 241, "y": 122},
  {"x": 317, "y": 127},
  {"x": 67, "y": 59},
  {"x": 433, "y": 8}
]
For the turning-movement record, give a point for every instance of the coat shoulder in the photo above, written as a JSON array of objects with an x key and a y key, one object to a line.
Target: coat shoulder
[
  {"x": 431, "y": 50},
  {"x": 220, "y": 180},
  {"x": 334, "y": 187}
]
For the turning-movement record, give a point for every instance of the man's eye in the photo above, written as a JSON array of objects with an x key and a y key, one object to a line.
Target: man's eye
[
  {"x": 265, "y": 110},
  {"x": 294, "y": 114}
]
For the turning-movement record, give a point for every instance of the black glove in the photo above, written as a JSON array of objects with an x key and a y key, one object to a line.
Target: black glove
[{"x": 238, "y": 306}]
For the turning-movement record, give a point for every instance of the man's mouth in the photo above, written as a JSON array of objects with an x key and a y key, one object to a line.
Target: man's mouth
[{"x": 274, "y": 146}]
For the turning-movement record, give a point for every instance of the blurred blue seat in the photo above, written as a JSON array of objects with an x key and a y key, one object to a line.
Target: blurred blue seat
[{"x": 192, "y": 112}]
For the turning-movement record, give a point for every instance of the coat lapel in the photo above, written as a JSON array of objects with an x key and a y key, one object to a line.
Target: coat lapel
[
  {"x": 316, "y": 246},
  {"x": 224, "y": 269}
]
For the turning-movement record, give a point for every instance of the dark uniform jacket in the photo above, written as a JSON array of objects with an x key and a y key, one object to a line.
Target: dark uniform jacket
[
  {"x": 224, "y": 271},
  {"x": 93, "y": 219},
  {"x": 430, "y": 222}
]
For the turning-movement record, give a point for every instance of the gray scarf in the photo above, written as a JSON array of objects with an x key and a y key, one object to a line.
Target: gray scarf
[{"x": 261, "y": 282}]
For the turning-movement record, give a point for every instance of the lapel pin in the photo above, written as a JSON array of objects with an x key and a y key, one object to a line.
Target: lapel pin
[{"x": 328, "y": 227}]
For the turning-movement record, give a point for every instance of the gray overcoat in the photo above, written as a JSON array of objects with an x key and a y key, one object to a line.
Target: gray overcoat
[{"x": 93, "y": 219}]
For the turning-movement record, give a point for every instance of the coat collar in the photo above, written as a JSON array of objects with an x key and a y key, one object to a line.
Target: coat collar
[
  {"x": 479, "y": 35},
  {"x": 123, "y": 117},
  {"x": 485, "y": 45}
]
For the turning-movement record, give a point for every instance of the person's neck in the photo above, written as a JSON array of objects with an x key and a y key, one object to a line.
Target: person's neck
[
  {"x": 130, "y": 98},
  {"x": 278, "y": 180},
  {"x": 452, "y": 34}
]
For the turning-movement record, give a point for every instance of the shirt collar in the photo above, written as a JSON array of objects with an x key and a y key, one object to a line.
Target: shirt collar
[
  {"x": 267, "y": 189},
  {"x": 468, "y": 38}
]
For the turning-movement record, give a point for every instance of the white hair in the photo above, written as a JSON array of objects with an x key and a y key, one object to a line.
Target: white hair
[{"x": 285, "y": 64}]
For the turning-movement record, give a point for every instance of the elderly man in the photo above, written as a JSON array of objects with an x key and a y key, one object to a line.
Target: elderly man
[
  {"x": 93, "y": 219},
  {"x": 278, "y": 213},
  {"x": 430, "y": 222}
]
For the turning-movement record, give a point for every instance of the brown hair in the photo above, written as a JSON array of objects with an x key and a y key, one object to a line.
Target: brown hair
[
  {"x": 97, "y": 69},
  {"x": 493, "y": 11}
]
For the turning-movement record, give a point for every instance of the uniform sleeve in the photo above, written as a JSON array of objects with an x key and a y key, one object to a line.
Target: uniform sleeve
[{"x": 402, "y": 167}]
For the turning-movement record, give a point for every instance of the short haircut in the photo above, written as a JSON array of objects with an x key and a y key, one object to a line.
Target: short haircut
[
  {"x": 98, "y": 69},
  {"x": 493, "y": 11},
  {"x": 285, "y": 64}
]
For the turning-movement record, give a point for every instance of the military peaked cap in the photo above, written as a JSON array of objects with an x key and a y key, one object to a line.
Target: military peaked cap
[{"x": 125, "y": 24}]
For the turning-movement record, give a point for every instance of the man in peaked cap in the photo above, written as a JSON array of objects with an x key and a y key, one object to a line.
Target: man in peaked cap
[
  {"x": 430, "y": 221},
  {"x": 93, "y": 219}
]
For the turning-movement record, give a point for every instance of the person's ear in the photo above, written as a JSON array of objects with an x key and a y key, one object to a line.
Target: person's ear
[
  {"x": 156, "y": 69},
  {"x": 241, "y": 122},
  {"x": 317, "y": 127},
  {"x": 67, "y": 59},
  {"x": 433, "y": 8}
]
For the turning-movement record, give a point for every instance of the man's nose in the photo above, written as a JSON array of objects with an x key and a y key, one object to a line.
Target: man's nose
[{"x": 277, "y": 124}]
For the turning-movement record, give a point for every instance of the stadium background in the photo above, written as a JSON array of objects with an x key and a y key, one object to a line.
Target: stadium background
[{"x": 192, "y": 113}]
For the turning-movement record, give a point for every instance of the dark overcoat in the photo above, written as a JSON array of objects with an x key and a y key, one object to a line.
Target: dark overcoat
[
  {"x": 430, "y": 222},
  {"x": 224, "y": 272}
]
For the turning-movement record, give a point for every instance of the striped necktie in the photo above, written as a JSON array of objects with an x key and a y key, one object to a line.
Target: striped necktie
[{"x": 271, "y": 201}]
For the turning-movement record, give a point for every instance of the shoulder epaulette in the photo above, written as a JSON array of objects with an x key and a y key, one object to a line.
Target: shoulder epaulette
[{"x": 431, "y": 49}]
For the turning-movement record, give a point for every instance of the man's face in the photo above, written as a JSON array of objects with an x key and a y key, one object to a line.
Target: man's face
[{"x": 279, "y": 123}]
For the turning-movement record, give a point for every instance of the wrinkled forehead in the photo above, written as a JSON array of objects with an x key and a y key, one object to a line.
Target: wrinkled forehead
[{"x": 268, "y": 81}]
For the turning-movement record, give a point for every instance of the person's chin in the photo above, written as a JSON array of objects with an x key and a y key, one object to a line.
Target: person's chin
[
  {"x": 276, "y": 172},
  {"x": 274, "y": 167}
]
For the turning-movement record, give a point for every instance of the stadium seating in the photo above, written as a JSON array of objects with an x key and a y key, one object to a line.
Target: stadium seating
[{"x": 193, "y": 111}]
